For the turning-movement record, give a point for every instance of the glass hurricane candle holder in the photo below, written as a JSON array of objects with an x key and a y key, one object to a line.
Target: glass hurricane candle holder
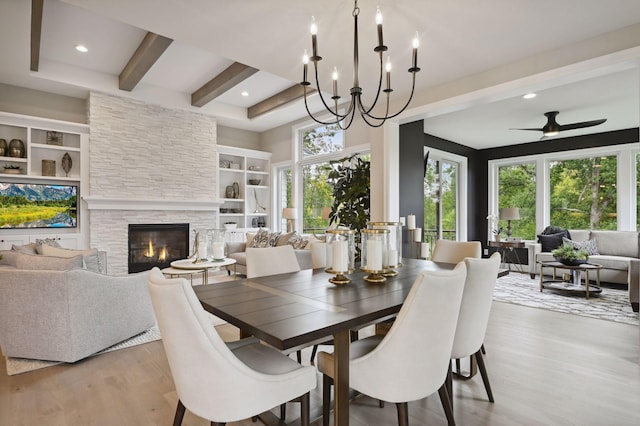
[
  {"x": 393, "y": 253},
  {"x": 340, "y": 254},
  {"x": 217, "y": 244},
  {"x": 374, "y": 243}
]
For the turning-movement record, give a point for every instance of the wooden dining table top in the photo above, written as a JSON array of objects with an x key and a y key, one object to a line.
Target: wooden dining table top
[{"x": 293, "y": 309}]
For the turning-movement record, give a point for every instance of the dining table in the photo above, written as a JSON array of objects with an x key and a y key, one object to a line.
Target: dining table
[{"x": 295, "y": 310}]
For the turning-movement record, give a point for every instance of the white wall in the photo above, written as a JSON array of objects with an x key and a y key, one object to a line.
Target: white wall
[
  {"x": 19, "y": 100},
  {"x": 146, "y": 152},
  {"x": 239, "y": 138}
]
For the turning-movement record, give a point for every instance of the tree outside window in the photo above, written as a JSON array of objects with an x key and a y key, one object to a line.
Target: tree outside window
[
  {"x": 517, "y": 188},
  {"x": 583, "y": 193}
]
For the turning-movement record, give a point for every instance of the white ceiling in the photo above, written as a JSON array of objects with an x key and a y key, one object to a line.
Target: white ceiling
[{"x": 547, "y": 45}]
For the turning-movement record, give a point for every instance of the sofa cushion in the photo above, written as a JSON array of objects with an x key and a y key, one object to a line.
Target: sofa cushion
[
  {"x": 589, "y": 246},
  {"x": 551, "y": 242},
  {"x": 26, "y": 249},
  {"x": 617, "y": 243},
  {"x": 619, "y": 263},
  {"x": 240, "y": 257},
  {"x": 91, "y": 260},
  {"x": 264, "y": 239},
  {"x": 283, "y": 239},
  {"x": 47, "y": 242},
  {"x": 49, "y": 263}
]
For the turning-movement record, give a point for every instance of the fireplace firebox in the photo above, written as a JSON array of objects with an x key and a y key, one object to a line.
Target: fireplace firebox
[{"x": 158, "y": 245}]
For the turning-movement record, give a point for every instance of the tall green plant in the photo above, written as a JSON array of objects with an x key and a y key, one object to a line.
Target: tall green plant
[{"x": 350, "y": 177}]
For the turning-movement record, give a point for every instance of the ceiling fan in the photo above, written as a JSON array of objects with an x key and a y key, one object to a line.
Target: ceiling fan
[{"x": 552, "y": 127}]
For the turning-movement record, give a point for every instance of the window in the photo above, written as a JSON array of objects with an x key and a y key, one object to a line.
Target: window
[
  {"x": 517, "y": 188},
  {"x": 583, "y": 193},
  {"x": 284, "y": 192},
  {"x": 594, "y": 188},
  {"x": 322, "y": 140},
  {"x": 317, "y": 194}
]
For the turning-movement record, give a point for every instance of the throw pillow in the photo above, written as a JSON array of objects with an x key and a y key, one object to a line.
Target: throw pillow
[
  {"x": 264, "y": 239},
  {"x": 549, "y": 230},
  {"x": 589, "y": 246},
  {"x": 283, "y": 239},
  {"x": 9, "y": 257},
  {"x": 90, "y": 256},
  {"x": 47, "y": 242},
  {"x": 26, "y": 249},
  {"x": 49, "y": 263},
  {"x": 298, "y": 241},
  {"x": 552, "y": 241}
]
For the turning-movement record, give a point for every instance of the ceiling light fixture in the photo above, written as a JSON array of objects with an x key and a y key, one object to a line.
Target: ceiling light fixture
[
  {"x": 345, "y": 120},
  {"x": 81, "y": 48},
  {"x": 529, "y": 96},
  {"x": 244, "y": 93}
]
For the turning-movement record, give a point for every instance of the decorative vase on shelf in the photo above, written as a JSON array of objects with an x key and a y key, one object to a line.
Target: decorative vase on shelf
[
  {"x": 228, "y": 192},
  {"x": 66, "y": 163},
  {"x": 16, "y": 148},
  {"x": 3, "y": 148},
  {"x": 236, "y": 190}
]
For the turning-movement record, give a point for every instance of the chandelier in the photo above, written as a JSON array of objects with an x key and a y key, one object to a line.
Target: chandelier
[{"x": 344, "y": 120}]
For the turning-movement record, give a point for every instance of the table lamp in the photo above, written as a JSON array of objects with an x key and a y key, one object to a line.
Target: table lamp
[
  {"x": 290, "y": 213},
  {"x": 509, "y": 214}
]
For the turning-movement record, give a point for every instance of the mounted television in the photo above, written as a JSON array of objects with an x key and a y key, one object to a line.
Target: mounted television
[{"x": 38, "y": 205}]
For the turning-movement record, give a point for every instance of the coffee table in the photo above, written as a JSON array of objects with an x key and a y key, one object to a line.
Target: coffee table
[
  {"x": 188, "y": 264},
  {"x": 576, "y": 272}
]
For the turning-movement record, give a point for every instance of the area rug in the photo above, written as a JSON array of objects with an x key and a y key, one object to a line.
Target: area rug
[{"x": 611, "y": 305}]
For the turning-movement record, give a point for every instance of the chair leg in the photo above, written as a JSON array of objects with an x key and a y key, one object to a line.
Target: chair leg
[
  {"x": 445, "y": 399},
  {"x": 305, "y": 410},
  {"x": 448, "y": 381},
  {"x": 380, "y": 403},
  {"x": 299, "y": 356},
  {"x": 313, "y": 353},
  {"x": 483, "y": 373},
  {"x": 217, "y": 424},
  {"x": 180, "y": 409},
  {"x": 403, "y": 413},
  {"x": 283, "y": 412},
  {"x": 484, "y": 352},
  {"x": 326, "y": 399}
]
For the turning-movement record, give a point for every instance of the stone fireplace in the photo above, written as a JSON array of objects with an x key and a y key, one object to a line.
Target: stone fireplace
[{"x": 156, "y": 244}]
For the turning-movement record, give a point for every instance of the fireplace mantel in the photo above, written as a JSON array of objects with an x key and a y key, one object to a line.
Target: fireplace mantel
[{"x": 100, "y": 203}]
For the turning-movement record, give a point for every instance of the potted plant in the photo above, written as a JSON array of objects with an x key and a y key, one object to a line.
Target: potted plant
[
  {"x": 568, "y": 255},
  {"x": 351, "y": 195}
]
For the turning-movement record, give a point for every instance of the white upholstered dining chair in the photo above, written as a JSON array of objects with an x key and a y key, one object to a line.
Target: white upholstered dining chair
[
  {"x": 220, "y": 382},
  {"x": 262, "y": 262},
  {"x": 411, "y": 361},
  {"x": 455, "y": 251},
  {"x": 474, "y": 315}
]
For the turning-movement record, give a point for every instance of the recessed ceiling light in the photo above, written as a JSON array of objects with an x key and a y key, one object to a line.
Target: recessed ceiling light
[
  {"x": 244, "y": 93},
  {"x": 529, "y": 96},
  {"x": 81, "y": 48}
]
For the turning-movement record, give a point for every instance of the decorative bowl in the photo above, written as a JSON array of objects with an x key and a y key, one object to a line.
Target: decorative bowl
[
  {"x": 230, "y": 226},
  {"x": 255, "y": 181}
]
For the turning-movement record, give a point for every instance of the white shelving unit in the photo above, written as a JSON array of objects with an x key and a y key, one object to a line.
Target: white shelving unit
[
  {"x": 248, "y": 171},
  {"x": 33, "y": 132}
]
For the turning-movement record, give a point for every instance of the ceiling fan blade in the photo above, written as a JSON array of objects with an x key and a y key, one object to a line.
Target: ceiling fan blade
[
  {"x": 537, "y": 130},
  {"x": 582, "y": 124}
]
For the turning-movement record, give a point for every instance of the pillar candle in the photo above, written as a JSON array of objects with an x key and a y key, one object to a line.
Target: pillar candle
[
  {"x": 330, "y": 255},
  {"x": 218, "y": 250},
  {"x": 393, "y": 258},
  {"x": 340, "y": 256},
  {"x": 418, "y": 235},
  {"x": 411, "y": 221},
  {"x": 424, "y": 250},
  {"x": 374, "y": 255}
]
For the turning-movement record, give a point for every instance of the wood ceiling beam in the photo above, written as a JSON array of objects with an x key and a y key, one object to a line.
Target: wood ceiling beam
[
  {"x": 276, "y": 101},
  {"x": 152, "y": 47},
  {"x": 232, "y": 76},
  {"x": 36, "y": 33}
]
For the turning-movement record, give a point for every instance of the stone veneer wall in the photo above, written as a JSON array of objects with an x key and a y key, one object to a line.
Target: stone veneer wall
[{"x": 139, "y": 151}]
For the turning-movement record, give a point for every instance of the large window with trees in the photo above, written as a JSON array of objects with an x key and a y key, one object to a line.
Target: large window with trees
[{"x": 594, "y": 188}]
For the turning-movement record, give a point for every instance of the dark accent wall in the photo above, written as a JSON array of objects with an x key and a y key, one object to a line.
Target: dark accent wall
[{"x": 412, "y": 143}]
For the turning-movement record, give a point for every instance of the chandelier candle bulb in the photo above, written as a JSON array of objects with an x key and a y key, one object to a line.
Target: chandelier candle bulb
[
  {"x": 305, "y": 62},
  {"x": 314, "y": 41},
  {"x": 416, "y": 44},
  {"x": 388, "y": 69},
  {"x": 379, "y": 22},
  {"x": 334, "y": 76}
]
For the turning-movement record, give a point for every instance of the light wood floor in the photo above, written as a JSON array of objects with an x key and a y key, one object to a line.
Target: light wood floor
[{"x": 545, "y": 368}]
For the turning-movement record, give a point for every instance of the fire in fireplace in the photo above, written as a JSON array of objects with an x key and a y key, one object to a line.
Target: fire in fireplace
[{"x": 158, "y": 245}]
